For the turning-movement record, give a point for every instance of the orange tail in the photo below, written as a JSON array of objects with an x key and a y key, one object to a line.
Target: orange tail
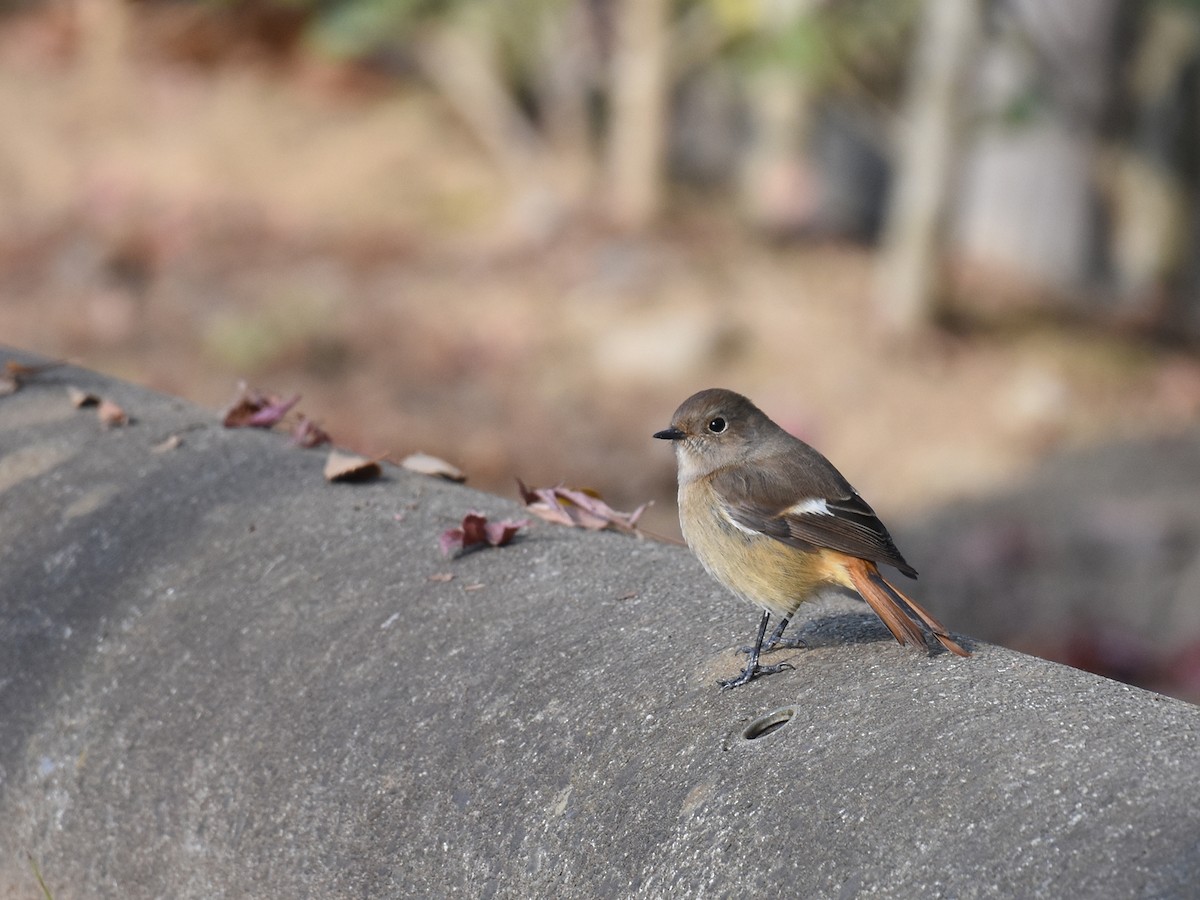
[{"x": 896, "y": 609}]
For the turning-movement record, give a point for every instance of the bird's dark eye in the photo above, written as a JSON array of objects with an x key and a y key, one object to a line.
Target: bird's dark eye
[{"x": 717, "y": 425}]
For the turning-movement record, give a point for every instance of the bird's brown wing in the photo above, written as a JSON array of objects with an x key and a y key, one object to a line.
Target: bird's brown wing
[{"x": 802, "y": 500}]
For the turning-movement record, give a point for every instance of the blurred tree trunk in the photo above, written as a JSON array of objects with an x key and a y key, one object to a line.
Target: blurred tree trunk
[
  {"x": 1147, "y": 185},
  {"x": 909, "y": 273},
  {"x": 461, "y": 60},
  {"x": 569, "y": 64},
  {"x": 777, "y": 189},
  {"x": 638, "y": 112},
  {"x": 1030, "y": 207},
  {"x": 776, "y": 186}
]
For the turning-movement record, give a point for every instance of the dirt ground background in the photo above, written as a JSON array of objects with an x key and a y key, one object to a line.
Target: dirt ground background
[{"x": 316, "y": 233}]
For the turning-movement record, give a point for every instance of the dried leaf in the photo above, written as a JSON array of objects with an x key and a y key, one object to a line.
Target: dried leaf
[
  {"x": 238, "y": 415},
  {"x": 254, "y": 409},
  {"x": 16, "y": 374},
  {"x": 80, "y": 398},
  {"x": 171, "y": 442},
  {"x": 432, "y": 465},
  {"x": 578, "y": 508},
  {"x": 501, "y": 533},
  {"x": 270, "y": 415},
  {"x": 308, "y": 433},
  {"x": 477, "y": 531},
  {"x": 441, "y": 577},
  {"x": 111, "y": 415},
  {"x": 23, "y": 370},
  {"x": 350, "y": 467}
]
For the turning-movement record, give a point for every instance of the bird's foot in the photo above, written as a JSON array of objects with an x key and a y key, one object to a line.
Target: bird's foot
[{"x": 751, "y": 672}]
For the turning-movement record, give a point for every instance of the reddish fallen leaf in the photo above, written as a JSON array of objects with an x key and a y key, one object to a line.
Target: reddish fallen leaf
[
  {"x": 237, "y": 416},
  {"x": 254, "y": 409},
  {"x": 441, "y": 576},
  {"x": 111, "y": 415},
  {"x": 477, "y": 531},
  {"x": 432, "y": 465},
  {"x": 351, "y": 467},
  {"x": 271, "y": 414},
  {"x": 80, "y": 398},
  {"x": 308, "y": 433},
  {"x": 578, "y": 508}
]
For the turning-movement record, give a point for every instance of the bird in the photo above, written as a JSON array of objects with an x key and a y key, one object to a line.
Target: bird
[{"x": 771, "y": 519}]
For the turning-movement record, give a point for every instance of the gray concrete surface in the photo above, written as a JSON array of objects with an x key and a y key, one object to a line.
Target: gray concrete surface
[{"x": 222, "y": 677}]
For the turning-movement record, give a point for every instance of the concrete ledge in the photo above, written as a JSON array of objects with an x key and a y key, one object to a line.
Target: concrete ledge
[{"x": 222, "y": 677}]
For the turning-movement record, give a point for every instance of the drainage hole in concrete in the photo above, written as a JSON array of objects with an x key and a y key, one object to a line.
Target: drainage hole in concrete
[{"x": 768, "y": 724}]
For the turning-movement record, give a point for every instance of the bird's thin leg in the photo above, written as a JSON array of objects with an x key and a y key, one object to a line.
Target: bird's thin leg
[
  {"x": 776, "y": 639},
  {"x": 753, "y": 669},
  {"x": 777, "y": 633}
]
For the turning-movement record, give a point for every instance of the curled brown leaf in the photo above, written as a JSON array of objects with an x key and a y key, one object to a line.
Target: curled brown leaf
[
  {"x": 342, "y": 466},
  {"x": 427, "y": 464},
  {"x": 80, "y": 398},
  {"x": 16, "y": 374},
  {"x": 308, "y": 433},
  {"x": 578, "y": 508},
  {"x": 111, "y": 415},
  {"x": 477, "y": 531},
  {"x": 254, "y": 409}
]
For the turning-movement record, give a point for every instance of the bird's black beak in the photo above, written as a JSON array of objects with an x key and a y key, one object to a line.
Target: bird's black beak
[{"x": 670, "y": 434}]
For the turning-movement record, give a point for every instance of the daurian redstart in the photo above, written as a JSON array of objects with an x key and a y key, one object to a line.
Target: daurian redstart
[{"x": 771, "y": 519}]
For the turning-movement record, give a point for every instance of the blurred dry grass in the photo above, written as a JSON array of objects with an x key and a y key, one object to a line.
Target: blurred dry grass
[{"x": 185, "y": 228}]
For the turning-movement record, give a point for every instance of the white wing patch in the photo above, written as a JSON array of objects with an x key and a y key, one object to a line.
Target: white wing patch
[
  {"x": 814, "y": 506},
  {"x": 736, "y": 524}
]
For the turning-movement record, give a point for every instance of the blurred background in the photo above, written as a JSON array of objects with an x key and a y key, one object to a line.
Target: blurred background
[{"x": 952, "y": 243}]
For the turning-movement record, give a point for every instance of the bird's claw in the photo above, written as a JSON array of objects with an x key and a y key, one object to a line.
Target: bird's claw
[{"x": 752, "y": 672}]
